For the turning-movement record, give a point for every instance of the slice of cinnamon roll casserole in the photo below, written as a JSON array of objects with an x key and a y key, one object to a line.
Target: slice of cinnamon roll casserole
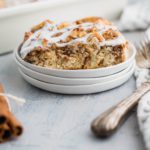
[{"x": 88, "y": 43}]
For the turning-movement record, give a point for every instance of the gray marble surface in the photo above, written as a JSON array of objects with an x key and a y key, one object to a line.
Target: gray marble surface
[{"x": 62, "y": 122}]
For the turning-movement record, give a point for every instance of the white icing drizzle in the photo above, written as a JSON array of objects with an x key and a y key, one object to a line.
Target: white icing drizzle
[{"x": 47, "y": 32}]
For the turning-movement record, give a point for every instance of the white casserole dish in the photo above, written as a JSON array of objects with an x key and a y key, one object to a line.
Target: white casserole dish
[{"x": 16, "y": 20}]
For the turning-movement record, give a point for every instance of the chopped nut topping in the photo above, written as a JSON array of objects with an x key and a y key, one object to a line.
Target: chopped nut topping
[
  {"x": 44, "y": 42},
  {"x": 94, "y": 29},
  {"x": 63, "y": 25},
  {"x": 68, "y": 39},
  {"x": 27, "y": 35},
  {"x": 38, "y": 35},
  {"x": 57, "y": 34},
  {"x": 78, "y": 32},
  {"x": 41, "y": 25},
  {"x": 97, "y": 35},
  {"x": 110, "y": 34}
]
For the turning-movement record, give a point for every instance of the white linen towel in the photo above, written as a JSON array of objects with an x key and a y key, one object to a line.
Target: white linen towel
[
  {"x": 136, "y": 16},
  {"x": 143, "y": 111}
]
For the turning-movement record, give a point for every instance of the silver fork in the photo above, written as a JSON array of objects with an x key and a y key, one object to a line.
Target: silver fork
[{"x": 106, "y": 123}]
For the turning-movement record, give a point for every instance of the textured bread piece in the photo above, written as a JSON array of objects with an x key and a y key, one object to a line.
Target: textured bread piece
[{"x": 87, "y": 43}]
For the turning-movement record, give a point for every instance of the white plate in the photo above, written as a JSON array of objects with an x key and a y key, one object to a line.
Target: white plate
[
  {"x": 82, "y": 89},
  {"x": 70, "y": 81},
  {"x": 87, "y": 73}
]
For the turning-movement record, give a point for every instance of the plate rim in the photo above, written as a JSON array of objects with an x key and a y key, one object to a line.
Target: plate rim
[
  {"x": 81, "y": 86},
  {"x": 25, "y": 70},
  {"x": 89, "y": 90}
]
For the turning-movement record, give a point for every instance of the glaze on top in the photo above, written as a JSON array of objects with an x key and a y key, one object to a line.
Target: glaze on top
[{"x": 49, "y": 29}]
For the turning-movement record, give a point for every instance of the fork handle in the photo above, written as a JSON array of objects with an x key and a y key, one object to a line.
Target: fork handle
[{"x": 106, "y": 123}]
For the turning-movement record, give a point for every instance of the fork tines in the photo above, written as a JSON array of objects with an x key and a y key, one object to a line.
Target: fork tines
[{"x": 143, "y": 52}]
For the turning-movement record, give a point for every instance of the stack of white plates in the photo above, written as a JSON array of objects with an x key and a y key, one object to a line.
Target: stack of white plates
[{"x": 77, "y": 81}]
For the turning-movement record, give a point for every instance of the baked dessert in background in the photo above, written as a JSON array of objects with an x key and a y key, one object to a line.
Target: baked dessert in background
[
  {"x": 10, "y": 3},
  {"x": 2, "y": 4},
  {"x": 88, "y": 43}
]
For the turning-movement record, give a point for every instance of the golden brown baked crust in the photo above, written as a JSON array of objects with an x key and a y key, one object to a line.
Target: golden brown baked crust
[{"x": 88, "y": 43}]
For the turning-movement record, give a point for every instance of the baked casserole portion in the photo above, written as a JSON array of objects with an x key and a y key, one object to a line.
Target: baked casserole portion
[{"x": 88, "y": 43}]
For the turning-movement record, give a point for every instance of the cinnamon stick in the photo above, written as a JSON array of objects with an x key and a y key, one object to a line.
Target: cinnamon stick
[
  {"x": 5, "y": 133},
  {"x": 15, "y": 125},
  {"x": 9, "y": 125},
  {"x": 3, "y": 107}
]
